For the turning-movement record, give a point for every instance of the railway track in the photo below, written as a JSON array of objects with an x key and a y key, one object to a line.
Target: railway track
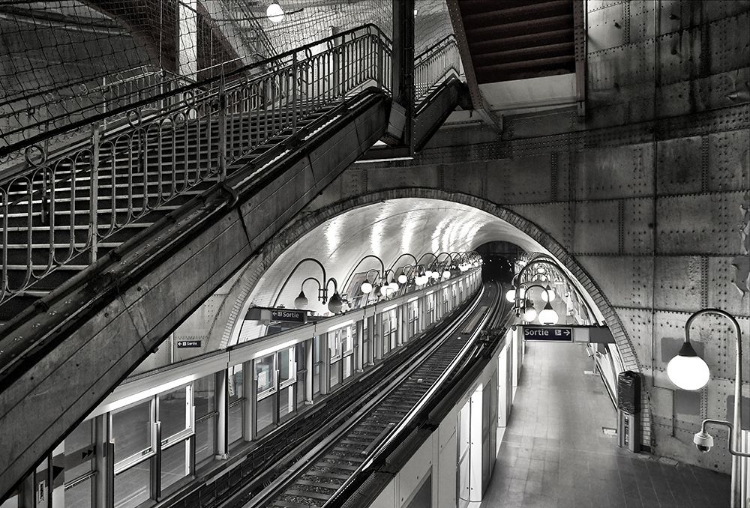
[{"x": 326, "y": 469}]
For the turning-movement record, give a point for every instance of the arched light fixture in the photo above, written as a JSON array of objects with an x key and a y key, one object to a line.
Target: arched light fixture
[
  {"x": 548, "y": 316},
  {"x": 301, "y": 301},
  {"x": 275, "y": 13},
  {"x": 689, "y": 372}
]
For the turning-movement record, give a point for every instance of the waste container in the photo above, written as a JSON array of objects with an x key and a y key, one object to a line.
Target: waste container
[{"x": 629, "y": 410}]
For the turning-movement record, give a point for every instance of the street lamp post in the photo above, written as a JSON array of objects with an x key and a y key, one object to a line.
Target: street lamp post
[{"x": 688, "y": 371}]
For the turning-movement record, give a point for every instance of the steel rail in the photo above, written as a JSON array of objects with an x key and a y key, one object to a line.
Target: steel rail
[{"x": 384, "y": 439}]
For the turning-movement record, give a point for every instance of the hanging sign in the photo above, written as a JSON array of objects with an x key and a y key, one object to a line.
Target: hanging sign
[{"x": 549, "y": 333}]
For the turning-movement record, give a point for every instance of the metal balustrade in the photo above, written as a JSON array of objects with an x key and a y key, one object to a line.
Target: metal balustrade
[
  {"x": 434, "y": 65},
  {"x": 61, "y": 213},
  {"x": 35, "y": 114}
]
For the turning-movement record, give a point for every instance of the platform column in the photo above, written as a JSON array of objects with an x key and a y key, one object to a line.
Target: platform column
[
  {"x": 360, "y": 328},
  {"x": 309, "y": 370},
  {"x": 222, "y": 421},
  {"x": 325, "y": 368}
]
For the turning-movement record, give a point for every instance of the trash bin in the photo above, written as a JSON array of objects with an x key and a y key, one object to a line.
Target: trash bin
[{"x": 629, "y": 410}]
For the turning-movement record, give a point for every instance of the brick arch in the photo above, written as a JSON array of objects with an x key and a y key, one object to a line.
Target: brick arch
[{"x": 225, "y": 330}]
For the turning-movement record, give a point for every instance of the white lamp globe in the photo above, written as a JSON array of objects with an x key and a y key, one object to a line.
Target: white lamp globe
[
  {"x": 384, "y": 289},
  {"x": 301, "y": 301},
  {"x": 548, "y": 316},
  {"x": 550, "y": 293},
  {"x": 687, "y": 370},
  {"x": 530, "y": 314},
  {"x": 275, "y": 13},
  {"x": 393, "y": 286},
  {"x": 366, "y": 287},
  {"x": 447, "y": 274},
  {"x": 335, "y": 304},
  {"x": 402, "y": 279},
  {"x": 435, "y": 275},
  {"x": 511, "y": 295}
]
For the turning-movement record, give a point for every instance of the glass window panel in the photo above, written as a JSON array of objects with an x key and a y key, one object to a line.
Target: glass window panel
[
  {"x": 204, "y": 395},
  {"x": 205, "y": 440},
  {"x": 286, "y": 401},
  {"x": 265, "y": 371},
  {"x": 81, "y": 494},
  {"x": 335, "y": 378},
  {"x": 235, "y": 383},
  {"x": 131, "y": 430},
  {"x": 174, "y": 412},
  {"x": 174, "y": 464},
  {"x": 316, "y": 349},
  {"x": 301, "y": 391},
  {"x": 301, "y": 355},
  {"x": 348, "y": 366},
  {"x": 264, "y": 413},
  {"x": 234, "y": 421},
  {"x": 347, "y": 342},
  {"x": 334, "y": 344},
  {"x": 79, "y": 447},
  {"x": 286, "y": 365},
  {"x": 133, "y": 486}
]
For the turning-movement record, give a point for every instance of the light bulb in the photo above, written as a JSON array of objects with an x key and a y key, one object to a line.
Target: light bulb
[
  {"x": 366, "y": 287},
  {"x": 550, "y": 293},
  {"x": 402, "y": 279},
  {"x": 275, "y": 13},
  {"x": 548, "y": 316},
  {"x": 511, "y": 295},
  {"x": 301, "y": 301},
  {"x": 529, "y": 315},
  {"x": 687, "y": 370},
  {"x": 335, "y": 304},
  {"x": 435, "y": 275},
  {"x": 447, "y": 274}
]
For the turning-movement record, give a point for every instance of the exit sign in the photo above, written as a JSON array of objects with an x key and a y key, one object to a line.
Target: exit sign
[{"x": 549, "y": 333}]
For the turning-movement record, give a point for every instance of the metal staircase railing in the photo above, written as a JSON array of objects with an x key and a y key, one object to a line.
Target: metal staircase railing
[
  {"x": 434, "y": 65},
  {"x": 62, "y": 212}
]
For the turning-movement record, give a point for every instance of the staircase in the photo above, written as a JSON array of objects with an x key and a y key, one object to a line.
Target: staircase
[
  {"x": 109, "y": 244},
  {"x": 141, "y": 176}
]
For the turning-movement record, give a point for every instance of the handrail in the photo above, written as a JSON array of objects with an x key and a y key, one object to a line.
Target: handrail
[
  {"x": 369, "y": 27},
  {"x": 66, "y": 205}
]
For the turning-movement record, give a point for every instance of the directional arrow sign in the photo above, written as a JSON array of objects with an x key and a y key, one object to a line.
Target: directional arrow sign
[{"x": 550, "y": 333}]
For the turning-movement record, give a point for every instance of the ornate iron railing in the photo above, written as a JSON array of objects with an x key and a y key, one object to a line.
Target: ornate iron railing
[
  {"x": 66, "y": 205},
  {"x": 38, "y": 113},
  {"x": 434, "y": 65}
]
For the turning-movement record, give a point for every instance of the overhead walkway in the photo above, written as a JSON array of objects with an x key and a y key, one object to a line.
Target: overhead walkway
[{"x": 110, "y": 243}]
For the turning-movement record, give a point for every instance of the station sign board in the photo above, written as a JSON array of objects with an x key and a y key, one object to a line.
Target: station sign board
[
  {"x": 189, "y": 343},
  {"x": 548, "y": 333},
  {"x": 266, "y": 314},
  {"x": 296, "y": 316}
]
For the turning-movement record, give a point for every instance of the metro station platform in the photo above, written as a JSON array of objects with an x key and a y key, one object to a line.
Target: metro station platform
[{"x": 555, "y": 453}]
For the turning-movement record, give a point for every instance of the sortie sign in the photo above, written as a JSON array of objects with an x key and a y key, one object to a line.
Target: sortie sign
[
  {"x": 297, "y": 316},
  {"x": 551, "y": 333}
]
